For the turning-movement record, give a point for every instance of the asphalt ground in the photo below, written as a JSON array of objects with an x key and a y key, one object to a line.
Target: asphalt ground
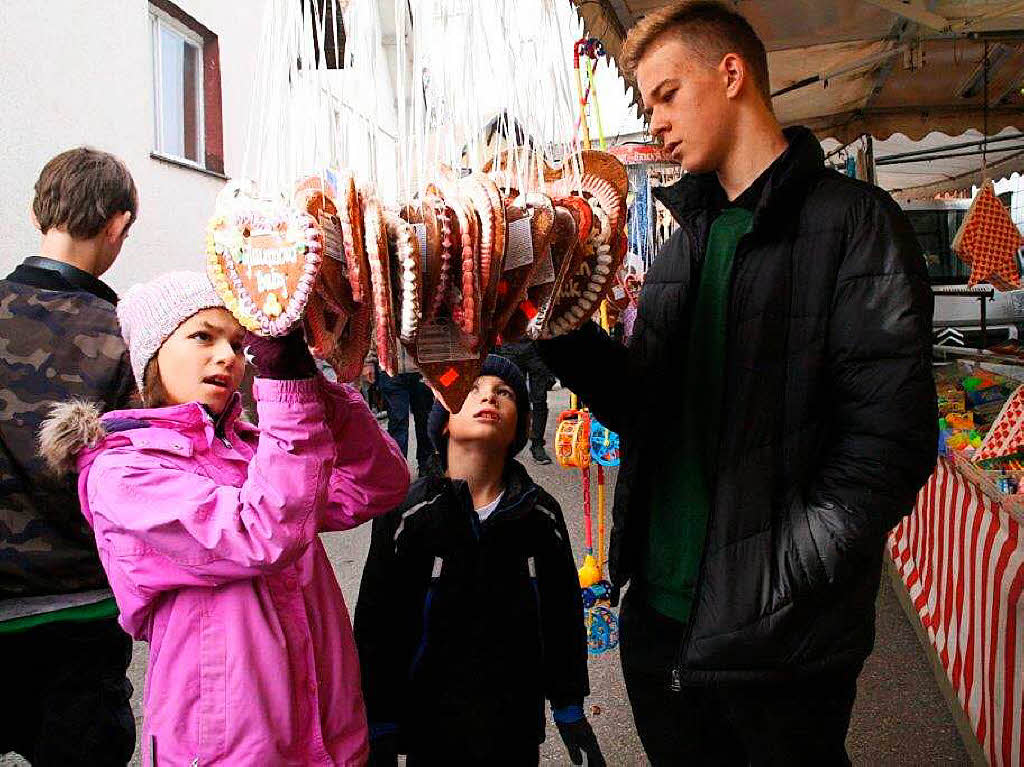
[{"x": 900, "y": 717}]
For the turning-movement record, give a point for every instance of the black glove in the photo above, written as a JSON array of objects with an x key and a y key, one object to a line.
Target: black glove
[
  {"x": 284, "y": 358},
  {"x": 383, "y": 751},
  {"x": 579, "y": 739}
]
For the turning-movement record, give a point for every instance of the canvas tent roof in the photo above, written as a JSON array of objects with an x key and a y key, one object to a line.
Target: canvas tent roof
[{"x": 851, "y": 67}]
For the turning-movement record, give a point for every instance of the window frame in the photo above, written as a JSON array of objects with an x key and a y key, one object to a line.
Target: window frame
[{"x": 160, "y": 18}]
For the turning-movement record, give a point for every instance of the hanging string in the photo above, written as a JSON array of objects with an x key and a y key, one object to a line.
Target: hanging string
[{"x": 984, "y": 113}]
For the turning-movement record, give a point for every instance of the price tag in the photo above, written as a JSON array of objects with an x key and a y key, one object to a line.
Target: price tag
[
  {"x": 545, "y": 270},
  {"x": 440, "y": 341},
  {"x": 420, "y": 230},
  {"x": 333, "y": 245},
  {"x": 518, "y": 245}
]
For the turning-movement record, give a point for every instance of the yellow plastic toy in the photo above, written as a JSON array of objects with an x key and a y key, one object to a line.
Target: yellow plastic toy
[{"x": 589, "y": 574}]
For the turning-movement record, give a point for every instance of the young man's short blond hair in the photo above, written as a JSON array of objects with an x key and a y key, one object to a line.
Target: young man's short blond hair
[{"x": 710, "y": 28}]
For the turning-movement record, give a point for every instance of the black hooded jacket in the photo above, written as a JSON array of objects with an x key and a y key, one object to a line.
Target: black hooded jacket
[
  {"x": 828, "y": 426},
  {"x": 465, "y": 627}
]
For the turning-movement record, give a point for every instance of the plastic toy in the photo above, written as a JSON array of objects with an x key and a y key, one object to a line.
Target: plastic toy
[
  {"x": 604, "y": 444},
  {"x": 602, "y": 630},
  {"x": 572, "y": 439}
]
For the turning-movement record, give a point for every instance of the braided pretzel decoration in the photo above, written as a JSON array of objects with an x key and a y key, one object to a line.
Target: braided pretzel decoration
[
  {"x": 380, "y": 280},
  {"x": 406, "y": 274}
]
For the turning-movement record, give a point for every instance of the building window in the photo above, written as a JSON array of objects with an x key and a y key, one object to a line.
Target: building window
[{"x": 186, "y": 89}]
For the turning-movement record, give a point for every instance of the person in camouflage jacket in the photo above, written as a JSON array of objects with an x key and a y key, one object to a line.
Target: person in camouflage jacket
[{"x": 66, "y": 698}]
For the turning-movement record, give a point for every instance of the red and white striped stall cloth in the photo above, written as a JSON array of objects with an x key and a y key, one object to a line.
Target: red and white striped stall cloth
[{"x": 961, "y": 557}]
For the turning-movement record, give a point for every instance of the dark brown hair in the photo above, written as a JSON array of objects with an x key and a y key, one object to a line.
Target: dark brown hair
[
  {"x": 710, "y": 28},
  {"x": 80, "y": 189},
  {"x": 153, "y": 393}
]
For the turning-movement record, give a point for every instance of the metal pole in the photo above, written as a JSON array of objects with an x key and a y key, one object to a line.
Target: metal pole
[
  {"x": 947, "y": 147},
  {"x": 946, "y": 156}
]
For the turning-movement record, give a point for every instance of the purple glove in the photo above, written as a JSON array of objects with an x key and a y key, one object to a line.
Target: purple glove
[{"x": 284, "y": 358}]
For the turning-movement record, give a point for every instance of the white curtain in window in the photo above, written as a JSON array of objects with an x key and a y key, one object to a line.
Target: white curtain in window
[{"x": 179, "y": 95}]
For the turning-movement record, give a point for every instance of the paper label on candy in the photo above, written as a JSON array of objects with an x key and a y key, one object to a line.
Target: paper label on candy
[
  {"x": 545, "y": 270},
  {"x": 440, "y": 341},
  {"x": 518, "y": 245},
  {"x": 420, "y": 230},
  {"x": 618, "y": 293},
  {"x": 333, "y": 245}
]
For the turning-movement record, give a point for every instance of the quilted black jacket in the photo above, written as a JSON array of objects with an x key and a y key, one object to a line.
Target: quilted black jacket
[{"x": 829, "y": 422}]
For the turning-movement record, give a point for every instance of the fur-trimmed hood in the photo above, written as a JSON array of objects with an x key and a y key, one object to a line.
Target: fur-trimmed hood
[
  {"x": 70, "y": 427},
  {"x": 79, "y": 427}
]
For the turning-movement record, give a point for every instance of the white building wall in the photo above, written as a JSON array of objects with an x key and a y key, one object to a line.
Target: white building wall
[{"x": 77, "y": 72}]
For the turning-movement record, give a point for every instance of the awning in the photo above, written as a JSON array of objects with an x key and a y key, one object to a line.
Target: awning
[{"x": 845, "y": 68}]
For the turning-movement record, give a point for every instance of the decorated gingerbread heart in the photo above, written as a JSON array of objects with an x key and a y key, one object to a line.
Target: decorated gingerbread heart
[{"x": 263, "y": 258}]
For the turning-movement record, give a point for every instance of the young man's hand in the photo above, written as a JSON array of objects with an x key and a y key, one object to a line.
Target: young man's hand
[{"x": 579, "y": 739}]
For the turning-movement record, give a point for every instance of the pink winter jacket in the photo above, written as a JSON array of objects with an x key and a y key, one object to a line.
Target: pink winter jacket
[{"x": 211, "y": 548}]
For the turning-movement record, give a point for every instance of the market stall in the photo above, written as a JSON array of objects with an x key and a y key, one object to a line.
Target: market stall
[{"x": 960, "y": 553}]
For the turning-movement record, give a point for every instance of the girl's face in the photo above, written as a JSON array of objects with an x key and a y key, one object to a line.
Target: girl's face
[
  {"x": 488, "y": 415},
  {"x": 202, "y": 360}
]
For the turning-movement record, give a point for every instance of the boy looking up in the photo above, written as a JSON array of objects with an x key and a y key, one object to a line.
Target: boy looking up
[{"x": 469, "y": 613}]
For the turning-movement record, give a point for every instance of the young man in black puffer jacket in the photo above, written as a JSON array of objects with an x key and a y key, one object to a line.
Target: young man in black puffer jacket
[
  {"x": 776, "y": 408},
  {"x": 469, "y": 612}
]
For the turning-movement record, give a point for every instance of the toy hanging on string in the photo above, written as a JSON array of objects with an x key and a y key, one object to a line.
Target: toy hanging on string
[{"x": 573, "y": 451}]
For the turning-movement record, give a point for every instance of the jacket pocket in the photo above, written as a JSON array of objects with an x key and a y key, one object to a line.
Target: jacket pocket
[
  {"x": 212, "y": 680},
  {"x": 799, "y": 570}
]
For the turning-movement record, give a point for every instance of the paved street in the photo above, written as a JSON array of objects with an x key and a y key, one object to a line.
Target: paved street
[{"x": 899, "y": 719}]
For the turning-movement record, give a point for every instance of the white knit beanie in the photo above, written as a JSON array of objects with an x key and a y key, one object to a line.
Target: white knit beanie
[{"x": 151, "y": 311}]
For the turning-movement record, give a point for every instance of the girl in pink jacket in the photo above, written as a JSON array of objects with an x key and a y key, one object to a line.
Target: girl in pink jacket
[{"x": 207, "y": 528}]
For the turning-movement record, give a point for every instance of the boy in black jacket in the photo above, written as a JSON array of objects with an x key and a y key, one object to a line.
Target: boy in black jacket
[{"x": 469, "y": 612}]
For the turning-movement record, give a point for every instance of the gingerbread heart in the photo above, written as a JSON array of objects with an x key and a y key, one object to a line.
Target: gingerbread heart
[
  {"x": 465, "y": 305},
  {"x": 519, "y": 265},
  {"x": 324, "y": 323},
  {"x": 380, "y": 279},
  {"x": 406, "y": 275},
  {"x": 316, "y": 196},
  {"x": 582, "y": 292},
  {"x": 351, "y": 221},
  {"x": 485, "y": 201},
  {"x": 452, "y": 381},
  {"x": 263, "y": 258},
  {"x": 565, "y": 236},
  {"x": 538, "y": 287},
  {"x": 441, "y": 260},
  {"x": 352, "y": 345}
]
